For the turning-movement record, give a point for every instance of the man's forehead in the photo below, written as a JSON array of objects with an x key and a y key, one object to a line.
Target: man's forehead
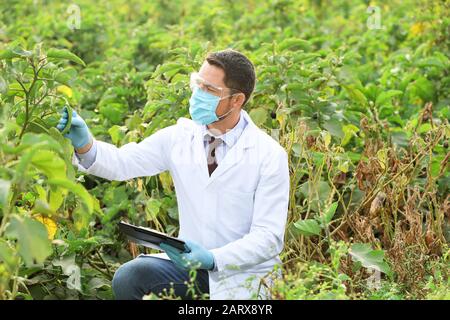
[{"x": 212, "y": 74}]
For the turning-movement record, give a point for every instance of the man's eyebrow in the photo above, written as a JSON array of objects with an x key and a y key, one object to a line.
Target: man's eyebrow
[{"x": 212, "y": 84}]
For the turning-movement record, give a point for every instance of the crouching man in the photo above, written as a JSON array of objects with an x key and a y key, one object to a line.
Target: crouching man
[{"x": 231, "y": 181}]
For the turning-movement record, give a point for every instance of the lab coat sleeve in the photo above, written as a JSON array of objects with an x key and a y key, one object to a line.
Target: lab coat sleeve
[
  {"x": 146, "y": 158},
  {"x": 87, "y": 159},
  {"x": 266, "y": 236}
]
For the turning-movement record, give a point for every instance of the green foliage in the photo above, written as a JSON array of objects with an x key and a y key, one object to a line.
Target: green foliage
[
  {"x": 312, "y": 281},
  {"x": 373, "y": 259},
  {"x": 32, "y": 239}
]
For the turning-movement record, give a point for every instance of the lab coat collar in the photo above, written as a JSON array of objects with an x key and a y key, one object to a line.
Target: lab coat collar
[
  {"x": 232, "y": 157},
  {"x": 244, "y": 139},
  {"x": 230, "y": 137}
]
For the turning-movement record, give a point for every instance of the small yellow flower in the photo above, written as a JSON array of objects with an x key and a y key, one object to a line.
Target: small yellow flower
[{"x": 417, "y": 28}]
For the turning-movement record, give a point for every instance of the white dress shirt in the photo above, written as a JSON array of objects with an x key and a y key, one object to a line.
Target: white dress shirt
[{"x": 229, "y": 138}]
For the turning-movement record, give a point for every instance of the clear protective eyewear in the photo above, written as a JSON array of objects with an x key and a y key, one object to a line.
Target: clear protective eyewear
[{"x": 197, "y": 82}]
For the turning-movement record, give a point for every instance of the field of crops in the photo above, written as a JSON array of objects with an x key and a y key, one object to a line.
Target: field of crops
[{"x": 357, "y": 92}]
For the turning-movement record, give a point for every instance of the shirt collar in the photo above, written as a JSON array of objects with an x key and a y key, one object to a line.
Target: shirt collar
[{"x": 230, "y": 137}]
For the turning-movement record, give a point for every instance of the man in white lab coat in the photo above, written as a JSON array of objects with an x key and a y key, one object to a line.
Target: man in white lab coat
[{"x": 232, "y": 185}]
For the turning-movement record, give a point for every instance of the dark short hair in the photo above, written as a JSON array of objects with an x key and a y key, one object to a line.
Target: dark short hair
[{"x": 239, "y": 71}]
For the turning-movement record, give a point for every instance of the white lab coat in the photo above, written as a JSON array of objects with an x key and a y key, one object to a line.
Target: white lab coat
[{"x": 239, "y": 213}]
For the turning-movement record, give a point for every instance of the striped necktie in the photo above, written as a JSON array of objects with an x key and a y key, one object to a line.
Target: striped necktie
[{"x": 212, "y": 161}]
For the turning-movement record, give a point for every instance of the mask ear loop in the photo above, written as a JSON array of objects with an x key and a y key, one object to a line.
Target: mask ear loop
[{"x": 228, "y": 112}]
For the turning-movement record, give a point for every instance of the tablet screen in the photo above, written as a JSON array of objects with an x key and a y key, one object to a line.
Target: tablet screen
[{"x": 149, "y": 237}]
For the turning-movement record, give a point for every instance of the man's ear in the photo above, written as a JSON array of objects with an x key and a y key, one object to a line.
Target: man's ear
[{"x": 238, "y": 100}]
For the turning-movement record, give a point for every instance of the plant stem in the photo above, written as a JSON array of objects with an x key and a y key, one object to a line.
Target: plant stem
[{"x": 103, "y": 261}]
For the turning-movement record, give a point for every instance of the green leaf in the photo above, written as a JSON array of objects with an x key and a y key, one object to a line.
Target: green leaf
[
  {"x": 374, "y": 259},
  {"x": 56, "y": 198},
  {"x": 435, "y": 165},
  {"x": 297, "y": 149},
  {"x": 22, "y": 52},
  {"x": 7, "y": 255},
  {"x": 133, "y": 122},
  {"x": 355, "y": 94},
  {"x": 317, "y": 193},
  {"x": 424, "y": 127},
  {"x": 75, "y": 188},
  {"x": 334, "y": 126},
  {"x": 50, "y": 164},
  {"x": 81, "y": 218},
  {"x": 8, "y": 54},
  {"x": 33, "y": 244},
  {"x": 114, "y": 111},
  {"x": 37, "y": 125},
  {"x": 170, "y": 69},
  {"x": 424, "y": 89},
  {"x": 42, "y": 207},
  {"x": 382, "y": 156},
  {"x": 343, "y": 166},
  {"x": 298, "y": 92},
  {"x": 258, "y": 115},
  {"x": 64, "y": 54},
  {"x": 400, "y": 137},
  {"x": 69, "y": 118},
  {"x": 308, "y": 227},
  {"x": 97, "y": 283},
  {"x": 66, "y": 151},
  {"x": 32, "y": 144},
  {"x": 294, "y": 44},
  {"x": 387, "y": 95},
  {"x": 350, "y": 131},
  {"x": 326, "y": 136},
  {"x": 117, "y": 133},
  {"x": 66, "y": 76},
  {"x": 152, "y": 208},
  {"x": 329, "y": 214},
  {"x": 441, "y": 64}
]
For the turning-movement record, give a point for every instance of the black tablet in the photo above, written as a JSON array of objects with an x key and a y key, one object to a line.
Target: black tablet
[{"x": 149, "y": 237}]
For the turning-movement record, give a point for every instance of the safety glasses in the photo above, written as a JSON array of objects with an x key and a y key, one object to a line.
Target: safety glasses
[{"x": 197, "y": 82}]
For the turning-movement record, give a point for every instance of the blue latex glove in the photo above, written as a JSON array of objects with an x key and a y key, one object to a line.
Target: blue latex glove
[
  {"x": 194, "y": 257},
  {"x": 79, "y": 132}
]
